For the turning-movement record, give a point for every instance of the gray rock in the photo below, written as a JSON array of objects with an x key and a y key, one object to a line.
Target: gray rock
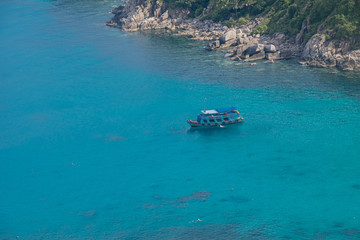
[
  {"x": 254, "y": 49},
  {"x": 235, "y": 58},
  {"x": 242, "y": 40},
  {"x": 157, "y": 9},
  {"x": 241, "y": 35},
  {"x": 118, "y": 9},
  {"x": 257, "y": 56},
  {"x": 230, "y": 54},
  {"x": 229, "y": 35},
  {"x": 270, "y": 48},
  {"x": 164, "y": 16},
  {"x": 246, "y": 30},
  {"x": 254, "y": 40},
  {"x": 240, "y": 50},
  {"x": 279, "y": 37},
  {"x": 149, "y": 23},
  {"x": 272, "y": 55},
  {"x": 213, "y": 45},
  {"x": 314, "y": 46},
  {"x": 286, "y": 54}
]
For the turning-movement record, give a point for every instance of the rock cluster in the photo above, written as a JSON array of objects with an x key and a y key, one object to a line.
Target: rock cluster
[
  {"x": 320, "y": 53},
  {"x": 136, "y": 15},
  {"x": 239, "y": 42},
  {"x": 245, "y": 47},
  {"x": 142, "y": 15}
]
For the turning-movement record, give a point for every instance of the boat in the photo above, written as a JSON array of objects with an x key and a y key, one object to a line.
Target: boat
[{"x": 217, "y": 118}]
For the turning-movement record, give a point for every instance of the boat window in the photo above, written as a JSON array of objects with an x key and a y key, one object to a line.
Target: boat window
[
  {"x": 212, "y": 120},
  {"x": 226, "y": 119}
]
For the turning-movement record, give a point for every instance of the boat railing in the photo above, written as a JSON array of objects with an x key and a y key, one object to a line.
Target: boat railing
[{"x": 221, "y": 117}]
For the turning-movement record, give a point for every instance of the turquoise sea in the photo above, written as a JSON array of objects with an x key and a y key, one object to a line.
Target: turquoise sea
[{"x": 94, "y": 142}]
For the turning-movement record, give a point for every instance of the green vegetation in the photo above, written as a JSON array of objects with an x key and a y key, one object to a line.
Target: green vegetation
[
  {"x": 238, "y": 22},
  {"x": 339, "y": 19},
  {"x": 262, "y": 28}
]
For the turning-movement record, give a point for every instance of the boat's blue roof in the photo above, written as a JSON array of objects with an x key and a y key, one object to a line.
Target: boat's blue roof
[{"x": 228, "y": 109}]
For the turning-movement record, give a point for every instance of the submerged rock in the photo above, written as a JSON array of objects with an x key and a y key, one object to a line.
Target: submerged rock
[{"x": 200, "y": 195}]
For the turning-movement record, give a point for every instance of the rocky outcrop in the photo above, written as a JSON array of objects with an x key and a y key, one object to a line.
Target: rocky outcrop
[
  {"x": 138, "y": 15},
  {"x": 239, "y": 42},
  {"x": 321, "y": 53}
]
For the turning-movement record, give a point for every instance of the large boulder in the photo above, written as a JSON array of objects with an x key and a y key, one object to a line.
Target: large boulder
[
  {"x": 313, "y": 46},
  {"x": 242, "y": 40},
  {"x": 228, "y": 36},
  {"x": 270, "y": 48},
  {"x": 237, "y": 53},
  {"x": 254, "y": 49},
  {"x": 319, "y": 53},
  {"x": 257, "y": 56}
]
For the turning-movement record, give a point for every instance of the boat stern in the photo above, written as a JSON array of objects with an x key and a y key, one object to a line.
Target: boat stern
[{"x": 193, "y": 123}]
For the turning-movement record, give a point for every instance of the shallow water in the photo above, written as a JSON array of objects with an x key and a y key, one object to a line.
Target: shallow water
[{"x": 94, "y": 142}]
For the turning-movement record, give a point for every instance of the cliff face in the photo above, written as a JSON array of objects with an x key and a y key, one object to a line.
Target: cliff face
[
  {"x": 138, "y": 15},
  {"x": 241, "y": 42},
  {"x": 321, "y": 53}
]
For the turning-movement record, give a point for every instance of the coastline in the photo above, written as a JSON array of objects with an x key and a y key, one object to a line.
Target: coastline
[{"x": 239, "y": 43}]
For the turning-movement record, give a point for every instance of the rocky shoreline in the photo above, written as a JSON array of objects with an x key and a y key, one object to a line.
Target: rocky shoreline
[{"x": 239, "y": 43}]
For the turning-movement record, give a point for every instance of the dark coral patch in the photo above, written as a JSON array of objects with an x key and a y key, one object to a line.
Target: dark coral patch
[
  {"x": 200, "y": 195},
  {"x": 351, "y": 232}
]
